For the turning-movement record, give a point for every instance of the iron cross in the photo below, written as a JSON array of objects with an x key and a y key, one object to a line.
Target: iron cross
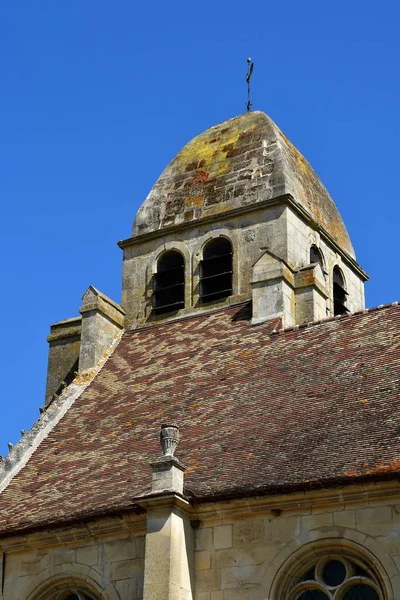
[{"x": 248, "y": 76}]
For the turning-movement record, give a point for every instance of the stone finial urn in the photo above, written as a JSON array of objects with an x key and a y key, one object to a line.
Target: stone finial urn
[{"x": 169, "y": 438}]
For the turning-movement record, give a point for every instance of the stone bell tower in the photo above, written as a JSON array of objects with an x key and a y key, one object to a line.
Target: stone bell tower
[
  {"x": 243, "y": 182},
  {"x": 238, "y": 215}
]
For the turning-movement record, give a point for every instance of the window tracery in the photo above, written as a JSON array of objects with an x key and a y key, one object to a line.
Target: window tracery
[
  {"x": 336, "y": 577},
  {"x": 76, "y": 595}
]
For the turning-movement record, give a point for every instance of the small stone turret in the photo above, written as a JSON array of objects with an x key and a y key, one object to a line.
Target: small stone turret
[
  {"x": 102, "y": 320},
  {"x": 63, "y": 362},
  {"x": 77, "y": 344}
]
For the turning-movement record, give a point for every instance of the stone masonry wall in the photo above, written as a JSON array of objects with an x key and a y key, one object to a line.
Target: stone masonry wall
[
  {"x": 242, "y": 558},
  {"x": 107, "y": 566},
  {"x": 243, "y": 551},
  {"x": 300, "y": 239},
  {"x": 248, "y": 233},
  {"x": 277, "y": 228}
]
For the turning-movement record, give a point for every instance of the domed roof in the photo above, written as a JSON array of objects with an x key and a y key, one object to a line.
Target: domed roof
[{"x": 241, "y": 162}]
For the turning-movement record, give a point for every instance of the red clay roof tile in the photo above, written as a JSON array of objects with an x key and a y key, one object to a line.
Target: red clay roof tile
[{"x": 258, "y": 412}]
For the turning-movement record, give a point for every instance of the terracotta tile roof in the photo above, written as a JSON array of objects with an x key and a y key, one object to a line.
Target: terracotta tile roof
[{"x": 258, "y": 413}]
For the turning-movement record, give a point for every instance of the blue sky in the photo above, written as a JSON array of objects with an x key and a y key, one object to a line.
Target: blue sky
[{"x": 98, "y": 96}]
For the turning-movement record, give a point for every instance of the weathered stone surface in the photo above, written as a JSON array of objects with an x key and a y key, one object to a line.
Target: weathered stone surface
[
  {"x": 278, "y": 230},
  {"x": 169, "y": 558},
  {"x": 64, "y": 346},
  {"x": 102, "y": 321},
  {"x": 240, "y": 162},
  {"x": 222, "y": 536},
  {"x": 100, "y": 566}
]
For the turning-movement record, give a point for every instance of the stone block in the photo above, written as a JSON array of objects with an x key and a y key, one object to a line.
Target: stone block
[
  {"x": 374, "y": 521},
  {"x": 202, "y": 596},
  {"x": 207, "y": 580},
  {"x": 127, "y": 589},
  {"x": 140, "y": 546},
  {"x": 281, "y": 529},
  {"x": 248, "y": 532},
  {"x": 245, "y": 555},
  {"x": 140, "y": 579},
  {"x": 391, "y": 544},
  {"x": 87, "y": 555},
  {"x": 243, "y": 593},
  {"x": 121, "y": 550},
  {"x": 222, "y": 536},
  {"x": 204, "y": 538},
  {"x": 345, "y": 518},
  {"x": 63, "y": 556},
  {"x": 30, "y": 567},
  {"x": 248, "y": 575},
  {"x": 316, "y": 521},
  {"x": 202, "y": 560},
  {"x": 122, "y": 569}
]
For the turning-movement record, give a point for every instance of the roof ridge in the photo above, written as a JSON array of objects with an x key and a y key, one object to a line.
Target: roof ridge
[{"x": 335, "y": 318}]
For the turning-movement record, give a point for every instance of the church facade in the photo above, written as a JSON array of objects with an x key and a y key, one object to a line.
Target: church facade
[{"x": 231, "y": 430}]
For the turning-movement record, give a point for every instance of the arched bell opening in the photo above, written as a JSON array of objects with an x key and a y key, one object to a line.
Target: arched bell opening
[
  {"x": 339, "y": 293},
  {"x": 216, "y": 270},
  {"x": 169, "y": 283},
  {"x": 316, "y": 256}
]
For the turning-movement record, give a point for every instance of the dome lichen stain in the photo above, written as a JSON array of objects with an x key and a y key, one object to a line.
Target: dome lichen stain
[
  {"x": 210, "y": 150},
  {"x": 242, "y": 162}
]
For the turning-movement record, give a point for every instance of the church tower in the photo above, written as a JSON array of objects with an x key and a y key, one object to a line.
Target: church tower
[
  {"x": 242, "y": 336},
  {"x": 239, "y": 214}
]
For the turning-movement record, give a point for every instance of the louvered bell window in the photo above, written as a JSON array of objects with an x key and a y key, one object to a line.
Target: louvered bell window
[
  {"x": 169, "y": 283},
  {"x": 216, "y": 271},
  {"x": 339, "y": 293}
]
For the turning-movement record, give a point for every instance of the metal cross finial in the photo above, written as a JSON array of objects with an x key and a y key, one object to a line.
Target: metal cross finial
[{"x": 249, "y": 73}]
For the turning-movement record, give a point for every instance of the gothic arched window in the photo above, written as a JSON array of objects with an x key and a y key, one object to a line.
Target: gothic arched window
[
  {"x": 339, "y": 293},
  {"x": 216, "y": 270},
  {"x": 336, "y": 577},
  {"x": 169, "y": 283}
]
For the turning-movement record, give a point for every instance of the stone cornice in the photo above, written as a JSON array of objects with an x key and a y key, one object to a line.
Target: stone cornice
[
  {"x": 168, "y": 499},
  {"x": 287, "y": 199},
  {"x": 63, "y": 330},
  {"x": 79, "y": 533},
  {"x": 114, "y": 526},
  {"x": 244, "y": 507}
]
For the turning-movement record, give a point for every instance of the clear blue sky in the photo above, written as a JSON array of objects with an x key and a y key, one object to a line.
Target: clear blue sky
[{"x": 98, "y": 96}]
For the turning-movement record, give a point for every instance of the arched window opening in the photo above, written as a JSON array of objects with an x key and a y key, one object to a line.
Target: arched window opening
[
  {"x": 169, "y": 283},
  {"x": 336, "y": 576},
  {"x": 216, "y": 270},
  {"x": 339, "y": 293},
  {"x": 316, "y": 256}
]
